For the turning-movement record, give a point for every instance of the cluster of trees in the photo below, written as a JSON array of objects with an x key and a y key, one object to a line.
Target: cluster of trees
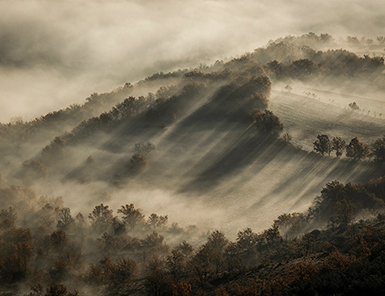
[
  {"x": 138, "y": 160},
  {"x": 105, "y": 122},
  {"x": 337, "y": 207},
  {"x": 88, "y": 170},
  {"x": 44, "y": 244},
  {"x": 355, "y": 149},
  {"x": 312, "y": 39},
  {"x": 243, "y": 87},
  {"x": 235, "y": 101},
  {"x": 103, "y": 252},
  {"x": 242, "y": 84},
  {"x": 354, "y": 40},
  {"x": 300, "y": 69},
  {"x": 18, "y": 131},
  {"x": 326, "y": 64},
  {"x": 287, "y": 59},
  {"x": 56, "y": 246},
  {"x": 168, "y": 110},
  {"x": 267, "y": 123},
  {"x": 232, "y": 101}
]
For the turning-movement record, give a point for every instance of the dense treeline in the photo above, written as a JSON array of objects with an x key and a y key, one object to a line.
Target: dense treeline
[
  {"x": 46, "y": 249},
  {"x": 240, "y": 83},
  {"x": 314, "y": 40},
  {"x": 297, "y": 58},
  {"x": 18, "y": 133},
  {"x": 355, "y": 149},
  {"x": 229, "y": 90},
  {"x": 332, "y": 63},
  {"x": 230, "y": 94},
  {"x": 44, "y": 245},
  {"x": 285, "y": 58}
]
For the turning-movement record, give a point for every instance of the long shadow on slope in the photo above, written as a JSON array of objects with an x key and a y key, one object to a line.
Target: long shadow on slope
[
  {"x": 230, "y": 103},
  {"x": 232, "y": 160},
  {"x": 121, "y": 136},
  {"x": 125, "y": 135},
  {"x": 316, "y": 171},
  {"x": 144, "y": 127},
  {"x": 333, "y": 119},
  {"x": 346, "y": 171}
]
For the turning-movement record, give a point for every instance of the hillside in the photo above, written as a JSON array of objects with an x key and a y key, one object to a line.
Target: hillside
[{"x": 206, "y": 153}]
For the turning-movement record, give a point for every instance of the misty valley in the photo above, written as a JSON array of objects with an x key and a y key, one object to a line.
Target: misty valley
[{"x": 258, "y": 175}]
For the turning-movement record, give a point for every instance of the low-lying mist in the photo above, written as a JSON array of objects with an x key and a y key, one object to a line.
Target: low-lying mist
[
  {"x": 183, "y": 178},
  {"x": 53, "y": 54}
]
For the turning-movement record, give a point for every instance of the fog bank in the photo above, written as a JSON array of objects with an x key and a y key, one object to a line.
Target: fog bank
[{"x": 56, "y": 53}]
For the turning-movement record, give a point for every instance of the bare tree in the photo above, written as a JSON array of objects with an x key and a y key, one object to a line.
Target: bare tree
[
  {"x": 143, "y": 149},
  {"x": 287, "y": 138},
  {"x": 65, "y": 219}
]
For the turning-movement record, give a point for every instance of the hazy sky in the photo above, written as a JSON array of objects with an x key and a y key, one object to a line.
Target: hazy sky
[{"x": 54, "y": 53}]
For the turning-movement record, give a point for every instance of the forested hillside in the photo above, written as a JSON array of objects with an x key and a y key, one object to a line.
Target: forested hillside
[{"x": 258, "y": 175}]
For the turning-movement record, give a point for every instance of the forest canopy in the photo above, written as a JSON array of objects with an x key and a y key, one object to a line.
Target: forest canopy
[{"x": 182, "y": 183}]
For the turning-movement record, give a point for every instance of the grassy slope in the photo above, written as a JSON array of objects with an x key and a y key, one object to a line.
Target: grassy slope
[{"x": 230, "y": 177}]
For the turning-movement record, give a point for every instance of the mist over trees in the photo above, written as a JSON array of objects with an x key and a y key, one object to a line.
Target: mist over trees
[
  {"x": 129, "y": 254},
  {"x": 76, "y": 183},
  {"x": 355, "y": 150}
]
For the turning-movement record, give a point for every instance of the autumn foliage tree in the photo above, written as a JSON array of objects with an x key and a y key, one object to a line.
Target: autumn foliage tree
[
  {"x": 357, "y": 150},
  {"x": 344, "y": 213},
  {"x": 266, "y": 122}
]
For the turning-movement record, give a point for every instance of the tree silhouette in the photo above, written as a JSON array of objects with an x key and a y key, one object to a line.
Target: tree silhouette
[
  {"x": 246, "y": 244},
  {"x": 65, "y": 219},
  {"x": 101, "y": 217},
  {"x": 157, "y": 221},
  {"x": 121, "y": 274},
  {"x": 344, "y": 213},
  {"x": 143, "y": 149},
  {"x": 378, "y": 150},
  {"x": 175, "y": 264},
  {"x": 357, "y": 150},
  {"x": 354, "y": 106},
  {"x": 137, "y": 163},
  {"x": 322, "y": 144},
  {"x": 131, "y": 216},
  {"x": 338, "y": 145},
  {"x": 59, "y": 240},
  {"x": 266, "y": 122},
  {"x": 287, "y": 138}
]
